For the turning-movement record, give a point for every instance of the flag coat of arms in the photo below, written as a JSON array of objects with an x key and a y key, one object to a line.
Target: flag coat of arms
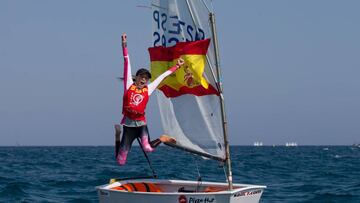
[{"x": 189, "y": 78}]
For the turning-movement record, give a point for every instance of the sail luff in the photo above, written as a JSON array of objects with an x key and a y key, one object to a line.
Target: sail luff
[{"x": 222, "y": 102}]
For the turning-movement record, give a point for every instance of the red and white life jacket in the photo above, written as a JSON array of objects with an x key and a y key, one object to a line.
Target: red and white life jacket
[{"x": 134, "y": 103}]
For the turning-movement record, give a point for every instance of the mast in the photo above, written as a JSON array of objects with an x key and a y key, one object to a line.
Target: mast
[
  {"x": 220, "y": 88},
  {"x": 222, "y": 102}
]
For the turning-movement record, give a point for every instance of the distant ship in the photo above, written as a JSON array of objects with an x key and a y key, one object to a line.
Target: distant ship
[
  {"x": 291, "y": 144},
  {"x": 258, "y": 144}
]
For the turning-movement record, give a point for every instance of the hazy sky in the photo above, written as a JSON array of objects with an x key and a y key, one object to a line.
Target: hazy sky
[{"x": 291, "y": 70}]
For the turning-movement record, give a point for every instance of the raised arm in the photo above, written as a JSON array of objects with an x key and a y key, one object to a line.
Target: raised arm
[
  {"x": 127, "y": 66},
  {"x": 152, "y": 86}
]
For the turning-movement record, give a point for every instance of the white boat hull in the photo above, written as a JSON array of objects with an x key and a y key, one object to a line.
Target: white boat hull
[{"x": 241, "y": 193}]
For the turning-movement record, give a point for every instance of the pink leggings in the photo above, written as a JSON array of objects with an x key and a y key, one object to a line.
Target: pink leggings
[{"x": 129, "y": 135}]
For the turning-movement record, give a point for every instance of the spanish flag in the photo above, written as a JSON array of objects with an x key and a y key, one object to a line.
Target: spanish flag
[{"x": 189, "y": 78}]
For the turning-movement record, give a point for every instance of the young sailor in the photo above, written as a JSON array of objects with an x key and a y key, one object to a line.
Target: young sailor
[{"x": 135, "y": 99}]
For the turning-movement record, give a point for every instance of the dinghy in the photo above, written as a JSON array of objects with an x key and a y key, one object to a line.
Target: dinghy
[
  {"x": 177, "y": 191},
  {"x": 192, "y": 109}
]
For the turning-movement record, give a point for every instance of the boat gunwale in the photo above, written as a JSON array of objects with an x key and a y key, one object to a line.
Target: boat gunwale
[{"x": 243, "y": 187}]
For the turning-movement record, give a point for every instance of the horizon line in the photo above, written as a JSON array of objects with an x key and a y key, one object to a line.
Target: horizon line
[{"x": 281, "y": 145}]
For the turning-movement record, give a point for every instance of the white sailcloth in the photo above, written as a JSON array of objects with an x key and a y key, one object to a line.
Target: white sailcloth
[{"x": 195, "y": 121}]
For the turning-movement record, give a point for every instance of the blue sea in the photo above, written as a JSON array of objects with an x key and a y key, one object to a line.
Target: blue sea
[{"x": 70, "y": 174}]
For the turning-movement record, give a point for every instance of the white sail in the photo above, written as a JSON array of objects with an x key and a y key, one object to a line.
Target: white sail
[{"x": 195, "y": 121}]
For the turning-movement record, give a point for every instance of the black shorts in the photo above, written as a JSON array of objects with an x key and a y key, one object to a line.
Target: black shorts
[{"x": 130, "y": 134}]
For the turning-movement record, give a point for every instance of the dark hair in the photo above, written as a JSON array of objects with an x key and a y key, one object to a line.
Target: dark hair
[{"x": 142, "y": 71}]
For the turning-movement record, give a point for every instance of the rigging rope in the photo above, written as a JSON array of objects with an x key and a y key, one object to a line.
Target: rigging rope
[
  {"x": 147, "y": 158},
  {"x": 199, "y": 179}
]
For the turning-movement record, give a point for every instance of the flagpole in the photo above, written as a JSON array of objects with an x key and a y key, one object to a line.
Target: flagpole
[{"x": 222, "y": 102}]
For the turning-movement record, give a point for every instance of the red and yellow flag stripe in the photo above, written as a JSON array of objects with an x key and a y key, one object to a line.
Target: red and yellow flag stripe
[{"x": 188, "y": 79}]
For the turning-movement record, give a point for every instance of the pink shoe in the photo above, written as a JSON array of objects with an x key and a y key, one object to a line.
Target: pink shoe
[
  {"x": 121, "y": 158},
  {"x": 145, "y": 144}
]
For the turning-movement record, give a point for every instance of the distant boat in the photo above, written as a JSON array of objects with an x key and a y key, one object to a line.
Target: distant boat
[
  {"x": 291, "y": 144},
  {"x": 258, "y": 144}
]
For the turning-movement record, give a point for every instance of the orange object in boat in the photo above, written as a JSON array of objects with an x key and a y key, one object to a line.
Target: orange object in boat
[
  {"x": 138, "y": 187},
  {"x": 214, "y": 189}
]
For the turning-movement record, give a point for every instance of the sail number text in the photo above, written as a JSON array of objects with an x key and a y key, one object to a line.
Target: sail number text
[{"x": 171, "y": 29}]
